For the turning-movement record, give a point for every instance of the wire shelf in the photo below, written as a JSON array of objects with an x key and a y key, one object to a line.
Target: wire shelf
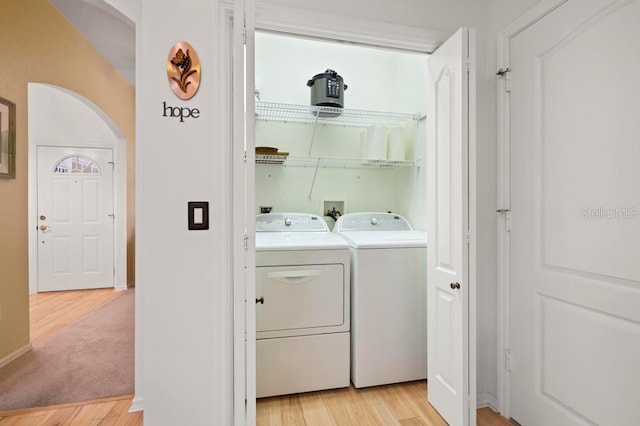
[
  {"x": 270, "y": 159},
  {"x": 310, "y": 114},
  {"x": 334, "y": 162}
]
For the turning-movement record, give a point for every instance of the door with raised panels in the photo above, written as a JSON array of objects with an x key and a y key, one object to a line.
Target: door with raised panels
[
  {"x": 448, "y": 224},
  {"x": 575, "y": 216},
  {"x": 75, "y": 218}
]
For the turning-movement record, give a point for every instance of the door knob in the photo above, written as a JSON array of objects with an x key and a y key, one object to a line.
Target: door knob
[
  {"x": 455, "y": 286},
  {"x": 43, "y": 228}
]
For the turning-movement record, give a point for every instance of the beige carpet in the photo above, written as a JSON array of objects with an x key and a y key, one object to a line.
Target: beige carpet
[{"x": 92, "y": 358}]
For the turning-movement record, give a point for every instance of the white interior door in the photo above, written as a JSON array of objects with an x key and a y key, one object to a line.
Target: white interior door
[
  {"x": 448, "y": 213},
  {"x": 75, "y": 218},
  {"x": 575, "y": 221},
  {"x": 243, "y": 103}
]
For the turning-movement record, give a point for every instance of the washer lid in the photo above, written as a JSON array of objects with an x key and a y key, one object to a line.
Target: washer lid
[
  {"x": 372, "y": 221},
  {"x": 271, "y": 241},
  {"x": 385, "y": 239}
]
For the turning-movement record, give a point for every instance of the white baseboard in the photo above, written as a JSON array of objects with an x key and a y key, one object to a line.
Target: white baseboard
[
  {"x": 7, "y": 359},
  {"x": 487, "y": 400},
  {"x": 137, "y": 404}
]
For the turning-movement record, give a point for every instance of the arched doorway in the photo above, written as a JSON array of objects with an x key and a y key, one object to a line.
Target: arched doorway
[{"x": 65, "y": 120}]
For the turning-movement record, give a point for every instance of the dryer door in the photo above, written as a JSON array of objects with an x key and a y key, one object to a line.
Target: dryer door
[{"x": 295, "y": 300}]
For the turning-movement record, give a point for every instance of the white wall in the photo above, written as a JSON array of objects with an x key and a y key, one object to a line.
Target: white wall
[
  {"x": 430, "y": 14},
  {"x": 377, "y": 80},
  {"x": 57, "y": 117},
  {"x": 185, "y": 273},
  {"x": 133, "y": 10}
]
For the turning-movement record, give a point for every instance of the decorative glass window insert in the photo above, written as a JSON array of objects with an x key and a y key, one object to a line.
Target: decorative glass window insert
[{"x": 77, "y": 164}]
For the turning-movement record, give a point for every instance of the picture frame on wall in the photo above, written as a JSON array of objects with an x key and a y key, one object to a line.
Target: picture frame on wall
[{"x": 7, "y": 139}]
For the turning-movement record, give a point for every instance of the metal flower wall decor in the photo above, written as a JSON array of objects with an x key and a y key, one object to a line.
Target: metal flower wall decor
[{"x": 183, "y": 70}]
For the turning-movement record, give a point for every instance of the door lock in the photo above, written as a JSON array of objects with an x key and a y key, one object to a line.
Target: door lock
[
  {"x": 42, "y": 217},
  {"x": 455, "y": 286}
]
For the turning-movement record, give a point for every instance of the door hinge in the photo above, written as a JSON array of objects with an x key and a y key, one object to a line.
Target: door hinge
[
  {"x": 468, "y": 65},
  {"x": 506, "y": 74},
  {"x": 507, "y": 359},
  {"x": 468, "y": 237},
  {"x": 244, "y": 36},
  {"x": 112, "y": 215},
  {"x": 246, "y": 242},
  {"x": 507, "y": 218},
  {"x": 113, "y": 164}
]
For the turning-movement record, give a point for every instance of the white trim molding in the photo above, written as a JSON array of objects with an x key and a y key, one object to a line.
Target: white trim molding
[
  {"x": 486, "y": 399},
  {"x": 136, "y": 405},
  {"x": 15, "y": 355},
  {"x": 502, "y": 404},
  {"x": 328, "y": 26},
  {"x": 472, "y": 228}
]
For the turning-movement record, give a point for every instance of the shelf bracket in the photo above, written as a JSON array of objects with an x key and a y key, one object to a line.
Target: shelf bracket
[
  {"x": 313, "y": 135},
  {"x": 315, "y": 175}
]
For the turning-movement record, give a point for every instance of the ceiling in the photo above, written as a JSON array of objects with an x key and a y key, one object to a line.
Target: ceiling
[{"x": 110, "y": 32}]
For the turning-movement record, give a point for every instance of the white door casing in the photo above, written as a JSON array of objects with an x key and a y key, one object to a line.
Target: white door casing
[
  {"x": 241, "y": 21},
  {"x": 75, "y": 220},
  {"x": 297, "y": 21},
  {"x": 448, "y": 284},
  {"x": 575, "y": 216}
]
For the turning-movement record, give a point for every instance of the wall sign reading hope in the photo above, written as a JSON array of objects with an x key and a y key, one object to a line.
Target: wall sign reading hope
[
  {"x": 179, "y": 112},
  {"x": 183, "y": 73}
]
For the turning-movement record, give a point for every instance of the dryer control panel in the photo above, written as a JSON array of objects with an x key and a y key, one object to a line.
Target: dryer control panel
[
  {"x": 372, "y": 222},
  {"x": 290, "y": 222}
]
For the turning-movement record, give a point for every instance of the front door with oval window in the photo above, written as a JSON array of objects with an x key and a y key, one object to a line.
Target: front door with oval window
[{"x": 75, "y": 218}]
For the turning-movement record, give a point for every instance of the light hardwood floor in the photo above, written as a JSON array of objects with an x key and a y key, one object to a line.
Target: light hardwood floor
[
  {"x": 106, "y": 411},
  {"x": 401, "y": 404}
]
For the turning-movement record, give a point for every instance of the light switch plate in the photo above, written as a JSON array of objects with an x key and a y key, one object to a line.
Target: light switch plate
[{"x": 198, "y": 215}]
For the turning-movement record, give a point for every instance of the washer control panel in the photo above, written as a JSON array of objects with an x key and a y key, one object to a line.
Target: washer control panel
[
  {"x": 290, "y": 222},
  {"x": 372, "y": 222}
]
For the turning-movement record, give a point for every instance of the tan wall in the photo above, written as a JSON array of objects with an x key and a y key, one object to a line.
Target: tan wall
[{"x": 39, "y": 45}]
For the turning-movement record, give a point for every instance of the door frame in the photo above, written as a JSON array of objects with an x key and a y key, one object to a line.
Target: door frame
[
  {"x": 504, "y": 193},
  {"x": 119, "y": 147},
  {"x": 301, "y": 22}
]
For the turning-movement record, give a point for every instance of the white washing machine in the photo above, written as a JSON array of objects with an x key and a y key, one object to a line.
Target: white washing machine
[
  {"x": 388, "y": 298},
  {"x": 302, "y": 305}
]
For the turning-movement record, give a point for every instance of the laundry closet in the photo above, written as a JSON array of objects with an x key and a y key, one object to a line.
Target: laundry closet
[
  {"x": 339, "y": 131},
  {"x": 324, "y": 162}
]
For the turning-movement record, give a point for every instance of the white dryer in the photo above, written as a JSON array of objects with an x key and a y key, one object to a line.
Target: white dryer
[
  {"x": 388, "y": 298},
  {"x": 302, "y": 305}
]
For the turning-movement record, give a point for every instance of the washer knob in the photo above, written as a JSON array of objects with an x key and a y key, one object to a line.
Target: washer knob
[
  {"x": 374, "y": 221},
  {"x": 287, "y": 221}
]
